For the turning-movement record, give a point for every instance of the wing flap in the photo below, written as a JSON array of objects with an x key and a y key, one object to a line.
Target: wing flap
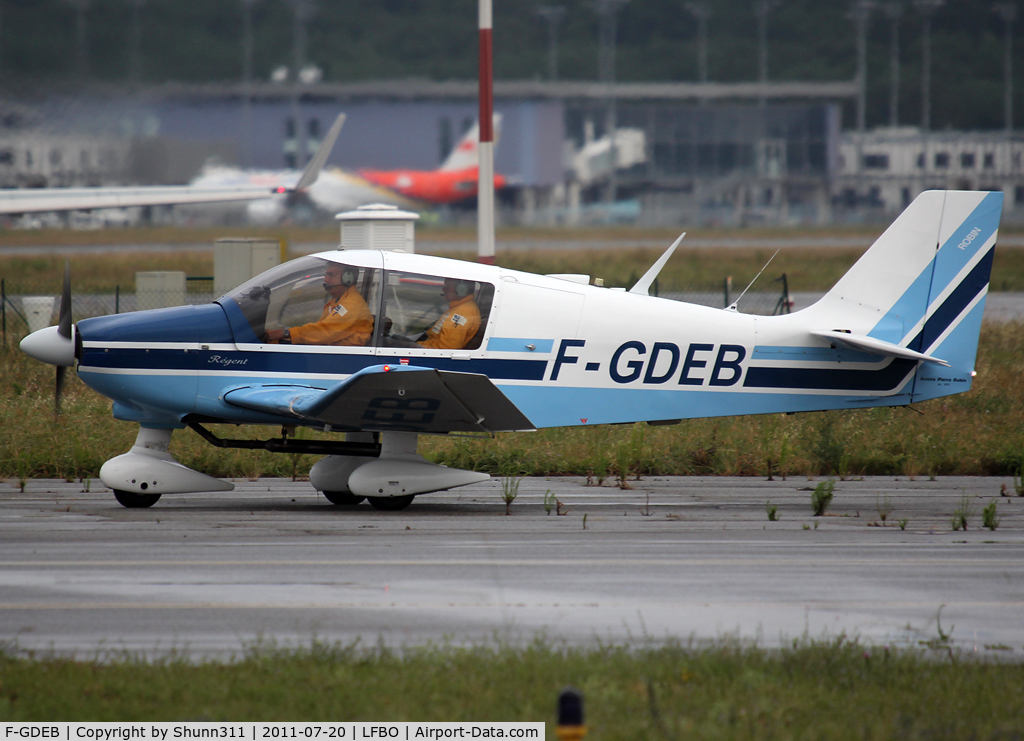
[{"x": 382, "y": 398}]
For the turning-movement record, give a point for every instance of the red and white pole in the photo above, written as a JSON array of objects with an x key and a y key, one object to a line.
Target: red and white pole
[{"x": 485, "y": 189}]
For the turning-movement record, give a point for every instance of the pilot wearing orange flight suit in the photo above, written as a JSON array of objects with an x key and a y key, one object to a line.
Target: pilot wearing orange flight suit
[
  {"x": 456, "y": 327},
  {"x": 345, "y": 320}
]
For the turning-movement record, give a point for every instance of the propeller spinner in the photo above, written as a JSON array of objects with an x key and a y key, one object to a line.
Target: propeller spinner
[{"x": 56, "y": 345}]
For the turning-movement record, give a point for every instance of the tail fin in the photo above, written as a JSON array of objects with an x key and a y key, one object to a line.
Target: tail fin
[
  {"x": 467, "y": 152},
  {"x": 921, "y": 287}
]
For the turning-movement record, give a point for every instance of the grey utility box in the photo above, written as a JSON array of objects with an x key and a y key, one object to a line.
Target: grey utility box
[
  {"x": 378, "y": 226},
  {"x": 158, "y": 289},
  {"x": 236, "y": 260}
]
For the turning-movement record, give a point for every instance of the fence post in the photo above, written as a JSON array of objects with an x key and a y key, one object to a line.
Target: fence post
[
  {"x": 3, "y": 308},
  {"x": 726, "y": 289},
  {"x": 117, "y": 299}
]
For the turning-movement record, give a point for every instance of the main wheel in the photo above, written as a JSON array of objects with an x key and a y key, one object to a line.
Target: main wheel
[
  {"x": 390, "y": 504},
  {"x": 343, "y": 498},
  {"x": 131, "y": 500}
]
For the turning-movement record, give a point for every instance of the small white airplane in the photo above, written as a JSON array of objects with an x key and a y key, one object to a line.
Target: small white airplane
[
  {"x": 36, "y": 200},
  {"x": 335, "y": 190},
  {"x": 404, "y": 345},
  {"x": 339, "y": 190}
]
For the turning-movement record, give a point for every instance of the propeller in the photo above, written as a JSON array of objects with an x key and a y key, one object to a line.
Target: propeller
[
  {"x": 56, "y": 345},
  {"x": 64, "y": 330}
]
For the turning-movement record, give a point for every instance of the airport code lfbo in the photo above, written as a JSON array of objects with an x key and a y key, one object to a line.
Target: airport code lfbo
[{"x": 257, "y": 731}]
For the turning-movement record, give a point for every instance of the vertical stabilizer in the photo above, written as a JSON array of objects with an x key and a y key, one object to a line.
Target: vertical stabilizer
[
  {"x": 467, "y": 152},
  {"x": 922, "y": 285}
]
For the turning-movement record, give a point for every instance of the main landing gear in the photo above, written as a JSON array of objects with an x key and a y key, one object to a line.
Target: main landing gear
[{"x": 389, "y": 481}]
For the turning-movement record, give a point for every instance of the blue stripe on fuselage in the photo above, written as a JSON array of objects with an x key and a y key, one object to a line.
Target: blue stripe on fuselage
[
  {"x": 831, "y": 379},
  {"x": 291, "y": 363}
]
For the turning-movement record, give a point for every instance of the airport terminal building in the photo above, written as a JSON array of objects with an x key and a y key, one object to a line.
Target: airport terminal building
[{"x": 712, "y": 153}]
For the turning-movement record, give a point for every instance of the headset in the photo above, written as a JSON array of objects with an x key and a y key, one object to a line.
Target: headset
[
  {"x": 349, "y": 275},
  {"x": 463, "y": 288}
]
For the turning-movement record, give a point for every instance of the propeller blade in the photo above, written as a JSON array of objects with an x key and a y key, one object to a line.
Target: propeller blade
[
  {"x": 59, "y": 389},
  {"x": 64, "y": 323}
]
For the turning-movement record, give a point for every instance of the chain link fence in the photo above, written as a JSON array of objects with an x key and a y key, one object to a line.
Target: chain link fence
[{"x": 22, "y": 303}]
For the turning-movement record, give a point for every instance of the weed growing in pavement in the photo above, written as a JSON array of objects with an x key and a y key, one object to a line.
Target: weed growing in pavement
[
  {"x": 622, "y": 462},
  {"x": 510, "y": 489},
  {"x": 549, "y": 501},
  {"x": 821, "y": 497},
  {"x": 989, "y": 517},
  {"x": 902, "y": 522},
  {"x": 772, "y": 510},
  {"x": 884, "y": 508},
  {"x": 963, "y": 513}
]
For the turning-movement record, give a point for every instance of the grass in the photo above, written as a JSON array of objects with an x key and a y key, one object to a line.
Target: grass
[
  {"x": 834, "y": 690},
  {"x": 807, "y": 268},
  {"x": 977, "y": 433}
]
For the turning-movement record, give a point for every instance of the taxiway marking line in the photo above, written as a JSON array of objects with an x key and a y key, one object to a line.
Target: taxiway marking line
[
  {"x": 853, "y": 605},
  {"x": 799, "y": 560}
]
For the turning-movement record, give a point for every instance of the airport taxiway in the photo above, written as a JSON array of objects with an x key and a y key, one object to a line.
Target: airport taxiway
[{"x": 683, "y": 558}]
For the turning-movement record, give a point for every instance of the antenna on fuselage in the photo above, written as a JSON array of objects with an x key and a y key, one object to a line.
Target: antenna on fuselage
[
  {"x": 732, "y": 307},
  {"x": 643, "y": 286}
]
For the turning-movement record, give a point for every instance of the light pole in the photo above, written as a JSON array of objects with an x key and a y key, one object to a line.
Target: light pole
[
  {"x": 247, "y": 48},
  {"x": 553, "y": 15},
  {"x": 861, "y": 12},
  {"x": 761, "y": 10},
  {"x": 81, "y": 39},
  {"x": 485, "y": 222},
  {"x": 135, "y": 44},
  {"x": 1008, "y": 12},
  {"x": 926, "y": 8},
  {"x": 701, "y": 12},
  {"x": 894, "y": 10},
  {"x": 304, "y": 11},
  {"x": 607, "y": 29}
]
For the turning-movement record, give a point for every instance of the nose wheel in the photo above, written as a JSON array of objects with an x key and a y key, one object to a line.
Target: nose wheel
[
  {"x": 131, "y": 500},
  {"x": 390, "y": 504}
]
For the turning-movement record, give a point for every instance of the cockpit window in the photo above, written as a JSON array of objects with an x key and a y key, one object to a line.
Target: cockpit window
[
  {"x": 293, "y": 297},
  {"x": 435, "y": 312}
]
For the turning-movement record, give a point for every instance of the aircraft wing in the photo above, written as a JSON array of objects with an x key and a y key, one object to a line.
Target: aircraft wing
[
  {"x": 30, "y": 200},
  {"x": 397, "y": 398}
]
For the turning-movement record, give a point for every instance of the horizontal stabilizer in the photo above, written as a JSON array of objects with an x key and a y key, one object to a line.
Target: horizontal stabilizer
[
  {"x": 406, "y": 398},
  {"x": 875, "y": 346}
]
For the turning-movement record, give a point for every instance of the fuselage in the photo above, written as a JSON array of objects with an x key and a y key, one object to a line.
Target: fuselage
[
  {"x": 565, "y": 353},
  {"x": 432, "y": 186}
]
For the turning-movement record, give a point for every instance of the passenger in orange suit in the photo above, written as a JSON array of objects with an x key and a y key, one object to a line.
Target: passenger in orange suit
[{"x": 456, "y": 327}]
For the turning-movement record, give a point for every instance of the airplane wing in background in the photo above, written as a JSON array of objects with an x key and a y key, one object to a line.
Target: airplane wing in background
[
  {"x": 76, "y": 199},
  {"x": 34, "y": 200},
  {"x": 402, "y": 398}
]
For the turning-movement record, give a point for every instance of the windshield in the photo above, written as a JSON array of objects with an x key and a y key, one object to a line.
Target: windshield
[{"x": 293, "y": 296}]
